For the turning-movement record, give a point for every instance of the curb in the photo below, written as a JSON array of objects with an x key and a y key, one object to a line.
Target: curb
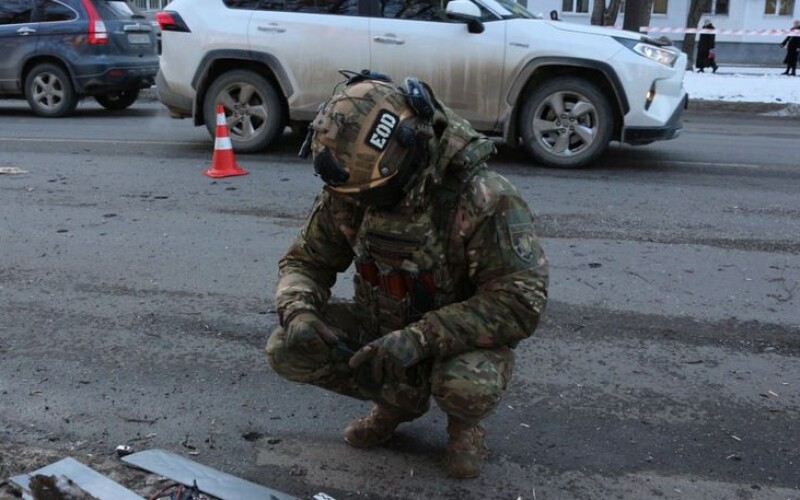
[{"x": 758, "y": 108}]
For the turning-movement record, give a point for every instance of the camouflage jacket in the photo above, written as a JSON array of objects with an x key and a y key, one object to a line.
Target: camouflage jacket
[{"x": 478, "y": 245}]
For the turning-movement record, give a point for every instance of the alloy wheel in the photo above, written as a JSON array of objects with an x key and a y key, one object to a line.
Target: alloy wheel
[
  {"x": 245, "y": 110},
  {"x": 565, "y": 123},
  {"x": 48, "y": 91}
]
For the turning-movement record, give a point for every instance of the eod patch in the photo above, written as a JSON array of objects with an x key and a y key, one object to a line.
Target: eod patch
[{"x": 382, "y": 130}]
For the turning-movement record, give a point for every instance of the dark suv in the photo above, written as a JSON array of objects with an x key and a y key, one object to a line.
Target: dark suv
[{"x": 54, "y": 52}]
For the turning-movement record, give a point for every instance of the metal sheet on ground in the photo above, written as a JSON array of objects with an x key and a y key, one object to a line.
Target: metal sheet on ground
[
  {"x": 219, "y": 484},
  {"x": 87, "y": 479}
]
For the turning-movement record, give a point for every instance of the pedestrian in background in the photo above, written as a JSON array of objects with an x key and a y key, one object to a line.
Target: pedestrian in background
[
  {"x": 706, "y": 51},
  {"x": 554, "y": 15},
  {"x": 792, "y": 44}
]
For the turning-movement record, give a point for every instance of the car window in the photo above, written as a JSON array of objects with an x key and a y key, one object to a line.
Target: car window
[
  {"x": 339, "y": 7},
  {"x": 53, "y": 11},
  {"x": 15, "y": 11},
  {"x": 423, "y": 10},
  {"x": 117, "y": 9},
  {"x": 510, "y": 9},
  {"x": 245, "y": 4}
]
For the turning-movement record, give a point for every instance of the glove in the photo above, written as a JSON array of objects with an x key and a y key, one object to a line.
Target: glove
[
  {"x": 306, "y": 332},
  {"x": 391, "y": 354}
]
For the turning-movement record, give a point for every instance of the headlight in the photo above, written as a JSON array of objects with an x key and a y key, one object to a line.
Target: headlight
[{"x": 657, "y": 54}]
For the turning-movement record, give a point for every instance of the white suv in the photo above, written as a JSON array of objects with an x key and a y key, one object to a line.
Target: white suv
[{"x": 563, "y": 91}]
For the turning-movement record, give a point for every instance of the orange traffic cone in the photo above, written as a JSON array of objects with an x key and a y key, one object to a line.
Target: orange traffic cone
[{"x": 223, "y": 164}]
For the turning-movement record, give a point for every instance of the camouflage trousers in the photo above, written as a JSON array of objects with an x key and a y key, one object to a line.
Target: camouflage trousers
[{"x": 468, "y": 385}]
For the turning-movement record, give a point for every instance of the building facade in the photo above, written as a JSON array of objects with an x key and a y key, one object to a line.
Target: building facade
[{"x": 748, "y": 15}]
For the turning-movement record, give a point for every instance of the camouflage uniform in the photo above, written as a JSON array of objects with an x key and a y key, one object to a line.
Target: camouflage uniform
[{"x": 456, "y": 262}]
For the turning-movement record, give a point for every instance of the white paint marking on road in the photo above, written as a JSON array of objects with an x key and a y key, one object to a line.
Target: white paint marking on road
[
  {"x": 709, "y": 164},
  {"x": 96, "y": 141},
  {"x": 12, "y": 170}
]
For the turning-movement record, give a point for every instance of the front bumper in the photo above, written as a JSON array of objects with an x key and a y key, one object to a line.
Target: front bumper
[{"x": 645, "y": 135}]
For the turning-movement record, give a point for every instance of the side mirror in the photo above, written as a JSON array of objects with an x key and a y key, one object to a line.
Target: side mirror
[
  {"x": 462, "y": 10},
  {"x": 465, "y": 11},
  {"x": 475, "y": 26}
]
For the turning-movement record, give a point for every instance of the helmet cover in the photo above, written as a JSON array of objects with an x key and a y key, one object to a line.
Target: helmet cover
[{"x": 364, "y": 137}]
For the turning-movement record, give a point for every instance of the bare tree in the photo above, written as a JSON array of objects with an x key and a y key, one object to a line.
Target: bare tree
[
  {"x": 603, "y": 15},
  {"x": 637, "y": 14},
  {"x": 696, "y": 10}
]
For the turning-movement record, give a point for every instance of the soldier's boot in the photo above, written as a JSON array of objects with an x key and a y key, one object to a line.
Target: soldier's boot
[
  {"x": 466, "y": 449},
  {"x": 375, "y": 427}
]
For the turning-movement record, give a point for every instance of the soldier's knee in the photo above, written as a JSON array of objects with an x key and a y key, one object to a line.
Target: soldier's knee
[
  {"x": 469, "y": 386},
  {"x": 290, "y": 364},
  {"x": 468, "y": 400}
]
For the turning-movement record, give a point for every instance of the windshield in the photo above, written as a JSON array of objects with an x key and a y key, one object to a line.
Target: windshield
[{"x": 513, "y": 9}]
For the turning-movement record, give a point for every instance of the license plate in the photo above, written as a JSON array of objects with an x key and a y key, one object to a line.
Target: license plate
[{"x": 139, "y": 38}]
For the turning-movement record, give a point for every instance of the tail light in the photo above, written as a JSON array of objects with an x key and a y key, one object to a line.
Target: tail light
[
  {"x": 171, "y": 21},
  {"x": 98, "y": 35}
]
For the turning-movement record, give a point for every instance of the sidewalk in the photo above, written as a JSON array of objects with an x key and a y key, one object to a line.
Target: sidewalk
[{"x": 744, "y": 84}]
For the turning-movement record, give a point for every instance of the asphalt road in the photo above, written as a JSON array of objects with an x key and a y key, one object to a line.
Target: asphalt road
[{"x": 136, "y": 297}]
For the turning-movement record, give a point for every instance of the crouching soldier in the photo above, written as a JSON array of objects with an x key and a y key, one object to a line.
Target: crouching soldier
[{"x": 449, "y": 274}]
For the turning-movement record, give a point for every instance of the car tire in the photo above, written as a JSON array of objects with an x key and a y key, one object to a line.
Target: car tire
[
  {"x": 566, "y": 122},
  {"x": 49, "y": 91},
  {"x": 118, "y": 100},
  {"x": 253, "y": 110}
]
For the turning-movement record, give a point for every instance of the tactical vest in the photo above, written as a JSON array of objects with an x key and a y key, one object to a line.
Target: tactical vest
[
  {"x": 402, "y": 271},
  {"x": 408, "y": 261}
]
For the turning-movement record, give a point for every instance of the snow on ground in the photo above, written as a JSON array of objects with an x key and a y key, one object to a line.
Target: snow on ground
[{"x": 742, "y": 84}]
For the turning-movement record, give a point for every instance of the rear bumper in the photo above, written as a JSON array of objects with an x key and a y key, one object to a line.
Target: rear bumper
[
  {"x": 179, "y": 105},
  {"x": 671, "y": 130},
  {"x": 110, "y": 77}
]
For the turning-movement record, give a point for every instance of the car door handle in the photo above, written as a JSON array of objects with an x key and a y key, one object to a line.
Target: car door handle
[
  {"x": 271, "y": 28},
  {"x": 24, "y": 31},
  {"x": 389, "y": 39}
]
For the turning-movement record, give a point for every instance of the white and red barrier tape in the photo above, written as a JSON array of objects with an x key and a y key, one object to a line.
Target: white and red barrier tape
[{"x": 764, "y": 32}]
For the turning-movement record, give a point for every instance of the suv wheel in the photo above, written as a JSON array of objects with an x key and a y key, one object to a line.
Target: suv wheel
[
  {"x": 118, "y": 100},
  {"x": 252, "y": 107},
  {"x": 566, "y": 122},
  {"x": 49, "y": 91}
]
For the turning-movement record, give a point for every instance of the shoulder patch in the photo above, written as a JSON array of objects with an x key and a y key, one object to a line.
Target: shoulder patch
[
  {"x": 523, "y": 241},
  {"x": 521, "y": 234}
]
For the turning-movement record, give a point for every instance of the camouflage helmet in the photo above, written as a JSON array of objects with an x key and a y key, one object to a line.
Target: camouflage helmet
[{"x": 368, "y": 139}]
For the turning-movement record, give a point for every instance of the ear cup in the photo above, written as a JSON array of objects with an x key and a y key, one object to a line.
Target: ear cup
[
  {"x": 406, "y": 137},
  {"x": 418, "y": 98}
]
